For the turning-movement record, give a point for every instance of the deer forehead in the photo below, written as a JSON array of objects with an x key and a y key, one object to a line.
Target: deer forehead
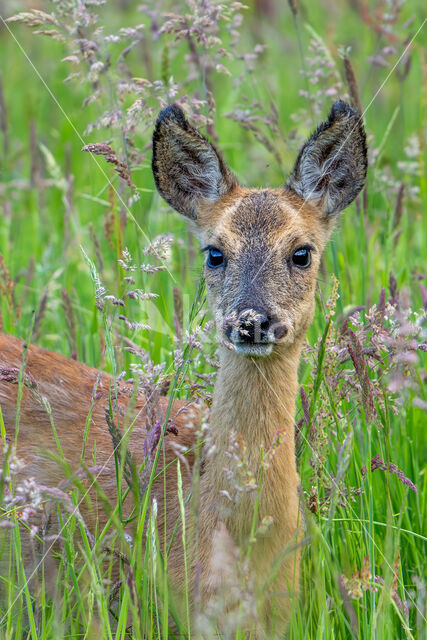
[{"x": 273, "y": 218}]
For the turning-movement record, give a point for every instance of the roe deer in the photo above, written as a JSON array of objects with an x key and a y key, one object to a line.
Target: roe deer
[{"x": 263, "y": 248}]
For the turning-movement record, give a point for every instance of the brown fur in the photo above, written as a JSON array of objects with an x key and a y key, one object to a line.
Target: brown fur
[
  {"x": 257, "y": 232},
  {"x": 69, "y": 387}
]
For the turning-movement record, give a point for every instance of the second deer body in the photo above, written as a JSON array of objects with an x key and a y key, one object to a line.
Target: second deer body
[{"x": 263, "y": 249}]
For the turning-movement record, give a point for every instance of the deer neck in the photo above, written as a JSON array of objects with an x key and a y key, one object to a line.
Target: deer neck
[{"x": 254, "y": 401}]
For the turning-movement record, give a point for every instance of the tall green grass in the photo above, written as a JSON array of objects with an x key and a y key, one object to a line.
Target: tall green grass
[{"x": 60, "y": 204}]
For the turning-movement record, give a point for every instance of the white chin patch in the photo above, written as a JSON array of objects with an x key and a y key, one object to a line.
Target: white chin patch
[{"x": 254, "y": 350}]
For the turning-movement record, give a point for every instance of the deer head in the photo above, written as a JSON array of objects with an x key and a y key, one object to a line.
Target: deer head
[{"x": 262, "y": 246}]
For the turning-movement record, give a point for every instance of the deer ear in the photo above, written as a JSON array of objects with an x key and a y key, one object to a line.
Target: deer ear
[
  {"x": 331, "y": 167},
  {"x": 187, "y": 168}
]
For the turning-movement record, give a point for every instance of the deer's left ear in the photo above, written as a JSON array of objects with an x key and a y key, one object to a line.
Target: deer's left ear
[
  {"x": 188, "y": 169},
  {"x": 331, "y": 167}
]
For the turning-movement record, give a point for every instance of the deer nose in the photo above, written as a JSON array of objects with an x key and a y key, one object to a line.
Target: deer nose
[{"x": 252, "y": 326}]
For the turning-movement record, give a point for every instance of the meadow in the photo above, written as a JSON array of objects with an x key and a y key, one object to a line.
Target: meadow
[{"x": 75, "y": 225}]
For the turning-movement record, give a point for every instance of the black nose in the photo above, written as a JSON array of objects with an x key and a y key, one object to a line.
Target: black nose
[{"x": 251, "y": 326}]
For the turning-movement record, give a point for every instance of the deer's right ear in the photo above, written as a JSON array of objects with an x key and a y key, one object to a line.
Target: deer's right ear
[
  {"x": 331, "y": 167},
  {"x": 187, "y": 168}
]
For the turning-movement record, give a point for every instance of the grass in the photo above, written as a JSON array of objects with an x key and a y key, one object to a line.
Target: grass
[{"x": 60, "y": 205}]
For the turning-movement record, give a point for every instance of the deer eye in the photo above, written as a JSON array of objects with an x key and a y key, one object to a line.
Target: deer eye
[
  {"x": 302, "y": 257},
  {"x": 215, "y": 258}
]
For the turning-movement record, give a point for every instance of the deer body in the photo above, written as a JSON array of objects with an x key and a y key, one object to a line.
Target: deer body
[
  {"x": 263, "y": 252},
  {"x": 73, "y": 390}
]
